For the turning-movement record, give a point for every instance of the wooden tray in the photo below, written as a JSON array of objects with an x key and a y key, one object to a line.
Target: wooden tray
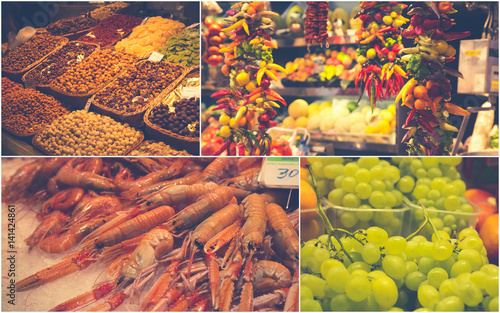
[
  {"x": 136, "y": 118},
  {"x": 42, "y": 149},
  {"x": 18, "y": 75},
  {"x": 78, "y": 101},
  {"x": 46, "y": 88}
]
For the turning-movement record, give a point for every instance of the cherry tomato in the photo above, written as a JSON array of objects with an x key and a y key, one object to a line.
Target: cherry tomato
[
  {"x": 214, "y": 60},
  {"x": 214, "y": 29},
  {"x": 209, "y": 21},
  {"x": 215, "y": 40},
  {"x": 213, "y": 50}
]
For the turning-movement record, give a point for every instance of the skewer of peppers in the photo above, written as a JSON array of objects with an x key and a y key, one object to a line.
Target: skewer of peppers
[
  {"x": 379, "y": 39},
  {"x": 316, "y": 21},
  {"x": 428, "y": 92},
  {"x": 250, "y": 66}
]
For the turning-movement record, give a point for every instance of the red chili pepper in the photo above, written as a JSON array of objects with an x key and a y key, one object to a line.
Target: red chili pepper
[
  {"x": 385, "y": 50},
  {"x": 409, "y": 33},
  {"x": 430, "y": 24},
  {"x": 377, "y": 70},
  {"x": 428, "y": 126},
  {"x": 223, "y": 100},
  {"x": 275, "y": 95},
  {"x": 272, "y": 113},
  {"x": 450, "y": 59},
  {"x": 391, "y": 55},
  {"x": 224, "y": 146},
  {"x": 220, "y": 93},
  {"x": 396, "y": 48},
  {"x": 272, "y": 124},
  {"x": 431, "y": 118},
  {"x": 407, "y": 135},
  {"x": 241, "y": 149},
  {"x": 387, "y": 29},
  {"x": 455, "y": 36},
  {"x": 357, "y": 80},
  {"x": 386, "y": 8},
  {"x": 379, "y": 53},
  {"x": 220, "y": 107},
  {"x": 410, "y": 116}
]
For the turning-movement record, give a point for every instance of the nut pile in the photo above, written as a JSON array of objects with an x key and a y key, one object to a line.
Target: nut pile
[
  {"x": 150, "y": 147},
  {"x": 147, "y": 38},
  {"x": 183, "y": 121},
  {"x": 9, "y": 86},
  {"x": 32, "y": 51},
  {"x": 111, "y": 29},
  {"x": 184, "y": 48},
  {"x": 26, "y": 111},
  {"x": 59, "y": 62},
  {"x": 110, "y": 9},
  {"x": 92, "y": 73},
  {"x": 84, "y": 133},
  {"x": 72, "y": 25},
  {"x": 139, "y": 85}
]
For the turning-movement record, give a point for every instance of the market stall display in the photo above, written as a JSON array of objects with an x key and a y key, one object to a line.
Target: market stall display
[
  {"x": 152, "y": 147},
  {"x": 27, "y": 111},
  {"x": 165, "y": 214},
  {"x": 84, "y": 133},
  {"x": 58, "y": 62},
  {"x": 150, "y": 36},
  {"x": 139, "y": 87},
  {"x": 21, "y": 59},
  {"x": 362, "y": 253},
  {"x": 73, "y": 26},
  {"x": 316, "y": 21},
  {"x": 183, "y": 48},
  {"x": 428, "y": 92},
  {"x": 110, "y": 30},
  {"x": 9, "y": 86},
  {"x": 91, "y": 75}
]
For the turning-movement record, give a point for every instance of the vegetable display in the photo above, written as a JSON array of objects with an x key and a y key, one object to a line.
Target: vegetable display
[
  {"x": 428, "y": 92},
  {"x": 249, "y": 64},
  {"x": 316, "y": 22},
  {"x": 379, "y": 37}
]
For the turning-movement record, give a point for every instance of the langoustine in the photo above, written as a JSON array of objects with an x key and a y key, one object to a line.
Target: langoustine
[{"x": 182, "y": 276}]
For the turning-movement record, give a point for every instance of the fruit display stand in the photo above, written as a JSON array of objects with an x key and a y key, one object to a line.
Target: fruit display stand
[
  {"x": 352, "y": 260},
  {"x": 180, "y": 15}
]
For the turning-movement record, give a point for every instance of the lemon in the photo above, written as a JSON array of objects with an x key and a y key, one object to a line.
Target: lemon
[{"x": 301, "y": 122}]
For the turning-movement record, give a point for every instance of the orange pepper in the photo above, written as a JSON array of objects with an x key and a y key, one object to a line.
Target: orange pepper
[
  {"x": 445, "y": 7},
  {"x": 455, "y": 109},
  {"x": 420, "y": 104}
]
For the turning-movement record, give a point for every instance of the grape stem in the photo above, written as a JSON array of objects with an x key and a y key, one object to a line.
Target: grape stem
[
  {"x": 426, "y": 215},
  {"x": 419, "y": 229},
  {"x": 352, "y": 235},
  {"x": 329, "y": 228}
]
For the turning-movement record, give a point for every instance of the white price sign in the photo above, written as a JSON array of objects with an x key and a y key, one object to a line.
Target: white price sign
[
  {"x": 190, "y": 92},
  {"x": 280, "y": 172},
  {"x": 155, "y": 57}
]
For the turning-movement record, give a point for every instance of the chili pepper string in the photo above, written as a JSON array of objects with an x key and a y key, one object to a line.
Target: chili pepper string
[
  {"x": 316, "y": 21},
  {"x": 428, "y": 92}
]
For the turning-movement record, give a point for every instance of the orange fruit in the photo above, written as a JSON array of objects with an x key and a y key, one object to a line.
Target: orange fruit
[
  {"x": 484, "y": 200},
  {"x": 304, "y": 173},
  {"x": 489, "y": 235},
  {"x": 420, "y": 92},
  {"x": 308, "y": 201},
  {"x": 420, "y": 104}
]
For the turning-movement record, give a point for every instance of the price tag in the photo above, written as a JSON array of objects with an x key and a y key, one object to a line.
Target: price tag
[
  {"x": 87, "y": 105},
  {"x": 280, "y": 172},
  {"x": 190, "y": 92},
  {"x": 192, "y": 26},
  {"x": 155, "y": 57}
]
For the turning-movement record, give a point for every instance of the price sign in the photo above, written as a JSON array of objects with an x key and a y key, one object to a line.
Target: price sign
[
  {"x": 280, "y": 172},
  {"x": 189, "y": 92},
  {"x": 155, "y": 57},
  {"x": 87, "y": 105}
]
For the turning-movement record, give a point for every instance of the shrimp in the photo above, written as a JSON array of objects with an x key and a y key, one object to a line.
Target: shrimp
[
  {"x": 219, "y": 168},
  {"x": 63, "y": 200},
  {"x": 70, "y": 175},
  {"x": 111, "y": 304},
  {"x": 123, "y": 184},
  {"x": 95, "y": 294},
  {"x": 16, "y": 188},
  {"x": 134, "y": 227},
  {"x": 54, "y": 186},
  {"x": 46, "y": 171},
  {"x": 270, "y": 275},
  {"x": 189, "y": 179},
  {"x": 248, "y": 180},
  {"x": 254, "y": 229},
  {"x": 151, "y": 248},
  {"x": 59, "y": 243},
  {"x": 100, "y": 205},
  {"x": 216, "y": 223},
  {"x": 51, "y": 224},
  {"x": 286, "y": 239},
  {"x": 175, "y": 195},
  {"x": 196, "y": 212}
]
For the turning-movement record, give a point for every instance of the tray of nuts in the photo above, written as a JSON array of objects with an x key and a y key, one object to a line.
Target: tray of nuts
[
  {"x": 111, "y": 30},
  {"x": 58, "y": 62},
  {"x": 82, "y": 81},
  {"x": 23, "y": 58},
  {"x": 26, "y": 111},
  {"x": 9, "y": 86},
  {"x": 177, "y": 123},
  {"x": 87, "y": 133},
  {"x": 141, "y": 86},
  {"x": 72, "y": 27}
]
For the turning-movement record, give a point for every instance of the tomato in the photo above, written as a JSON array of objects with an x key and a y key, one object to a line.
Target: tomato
[
  {"x": 213, "y": 50},
  {"x": 214, "y": 29},
  {"x": 214, "y": 60},
  {"x": 215, "y": 41},
  {"x": 208, "y": 21},
  {"x": 489, "y": 235}
]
